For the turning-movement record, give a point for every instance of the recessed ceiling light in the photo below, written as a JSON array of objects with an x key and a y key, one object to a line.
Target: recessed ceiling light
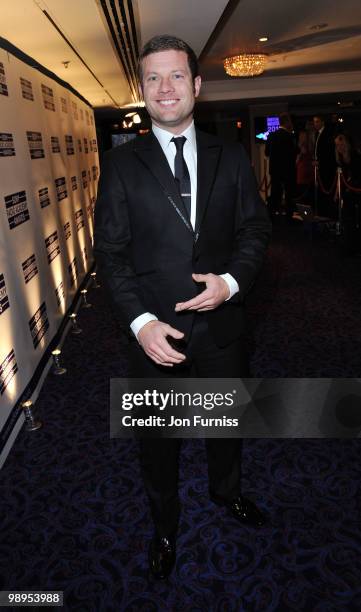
[
  {"x": 319, "y": 26},
  {"x": 263, "y": 39}
]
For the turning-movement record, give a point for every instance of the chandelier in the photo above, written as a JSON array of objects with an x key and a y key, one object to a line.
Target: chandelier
[{"x": 245, "y": 64}]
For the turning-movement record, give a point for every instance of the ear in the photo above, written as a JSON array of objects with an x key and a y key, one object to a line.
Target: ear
[{"x": 197, "y": 86}]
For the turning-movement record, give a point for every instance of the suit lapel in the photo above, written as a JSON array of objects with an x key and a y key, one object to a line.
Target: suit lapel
[
  {"x": 149, "y": 151},
  {"x": 208, "y": 154}
]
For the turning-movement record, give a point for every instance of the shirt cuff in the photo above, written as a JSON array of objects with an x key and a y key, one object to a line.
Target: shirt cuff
[
  {"x": 140, "y": 321},
  {"x": 232, "y": 284}
]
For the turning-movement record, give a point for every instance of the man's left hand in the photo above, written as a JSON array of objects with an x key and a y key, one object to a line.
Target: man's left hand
[{"x": 216, "y": 292}]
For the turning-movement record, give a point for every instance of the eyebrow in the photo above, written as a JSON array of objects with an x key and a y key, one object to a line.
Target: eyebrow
[{"x": 152, "y": 72}]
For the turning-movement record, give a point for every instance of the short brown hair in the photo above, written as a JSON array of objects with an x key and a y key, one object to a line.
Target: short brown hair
[
  {"x": 285, "y": 119},
  {"x": 166, "y": 42}
]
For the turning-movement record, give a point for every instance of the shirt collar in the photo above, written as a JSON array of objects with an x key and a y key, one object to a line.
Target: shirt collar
[{"x": 164, "y": 137}]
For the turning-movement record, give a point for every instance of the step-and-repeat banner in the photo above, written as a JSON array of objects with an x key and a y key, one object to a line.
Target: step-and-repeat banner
[{"x": 48, "y": 179}]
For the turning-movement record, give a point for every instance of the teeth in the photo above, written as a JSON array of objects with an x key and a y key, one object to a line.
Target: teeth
[{"x": 167, "y": 102}]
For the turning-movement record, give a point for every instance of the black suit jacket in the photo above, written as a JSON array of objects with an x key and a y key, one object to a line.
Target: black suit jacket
[
  {"x": 325, "y": 156},
  {"x": 144, "y": 250},
  {"x": 281, "y": 149}
]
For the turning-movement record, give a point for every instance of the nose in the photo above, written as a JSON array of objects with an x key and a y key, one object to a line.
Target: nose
[{"x": 166, "y": 85}]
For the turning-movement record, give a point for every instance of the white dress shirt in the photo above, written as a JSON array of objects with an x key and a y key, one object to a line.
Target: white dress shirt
[{"x": 190, "y": 155}]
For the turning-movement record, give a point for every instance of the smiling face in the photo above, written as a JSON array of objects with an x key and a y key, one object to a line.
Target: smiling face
[{"x": 168, "y": 89}]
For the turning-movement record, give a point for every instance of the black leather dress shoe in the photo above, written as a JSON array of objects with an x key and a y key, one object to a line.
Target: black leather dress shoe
[
  {"x": 243, "y": 509},
  {"x": 161, "y": 556}
]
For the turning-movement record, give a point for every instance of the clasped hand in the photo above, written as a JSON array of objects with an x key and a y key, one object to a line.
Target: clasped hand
[{"x": 153, "y": 335}]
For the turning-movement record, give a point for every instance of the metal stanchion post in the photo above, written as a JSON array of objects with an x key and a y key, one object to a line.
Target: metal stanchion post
[
  {"x": 31, "y": 423},
  {"x": 339, "y": 202},
  {"x": 75, "y": 329},
  {"x": 96, "y": 285},
  {"x": 85, "y": 303},
  {"x": 57, "y": 368},
  {"x": 315, "y": 191}
]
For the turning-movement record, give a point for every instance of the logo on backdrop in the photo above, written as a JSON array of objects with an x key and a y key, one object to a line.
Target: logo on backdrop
[
  {"x": 35, "y": 143},
  {"x": 69, "y": 145},
  {"x": 79, "y": 219},
  {"x": 55, "y": 144},
  {"x": 4, "y": 300},
  {"x": 87, "y": 117},
  {"x": 8, "y": 369},
  {"x": 86, "y": 150},
  {"x": 64, "y": 105},
  {"x": 16, "y": 208},
  {"x": 26, "y": 89},
  {"x": 73, "y": 271},
  {"x": 95, "y": 146},
  {"x": 59, "y": 293},
  {"x": 84, "y": 179},
  {"x": 48, "y": 97},
  {"x": 95, "y": 172},
  {"x": 30, "y": 269},
  {"x": 3, "y": 85},
  {"x": 79, "y": 146},
  {"x": 44, "y": 198},
  {"x": 61, "y": 190},
  {"x": 90, "y": 207},
  {"x": 52, "y": 246},
  {"x": 75, "y": 110},
  {"x": 74, "y": 184},
  {"x": 39, "y": 324},
  {"x": 7, "y": 147},
  {"x": 67, "y": 230}
]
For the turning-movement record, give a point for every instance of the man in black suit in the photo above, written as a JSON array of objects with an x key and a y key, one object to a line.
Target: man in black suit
[
  {"x": 325, "y": 162},
  {"x": 180, "y": 234},
  {"x": 282, "y": 150}
]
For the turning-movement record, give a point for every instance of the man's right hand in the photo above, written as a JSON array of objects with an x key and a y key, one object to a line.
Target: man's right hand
[{"x": 152, "y": 337}]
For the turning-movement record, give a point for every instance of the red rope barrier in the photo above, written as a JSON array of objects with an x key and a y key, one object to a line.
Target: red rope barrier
[
  {"x": 348, "y": 186},
  {"x": 265, "y": 184},
  {"x": 323, "y": 188},
  {"x": 300, "y": 196}
]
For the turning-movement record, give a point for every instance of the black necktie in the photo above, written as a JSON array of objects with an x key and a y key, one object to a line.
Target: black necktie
[{"x": 181, "y": 173}]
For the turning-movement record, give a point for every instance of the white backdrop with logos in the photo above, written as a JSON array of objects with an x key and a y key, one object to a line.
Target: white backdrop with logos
[{"x": 48, "y": 178}]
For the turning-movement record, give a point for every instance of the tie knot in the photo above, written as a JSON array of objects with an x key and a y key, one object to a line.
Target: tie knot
[{"x": 179, "y": 142}]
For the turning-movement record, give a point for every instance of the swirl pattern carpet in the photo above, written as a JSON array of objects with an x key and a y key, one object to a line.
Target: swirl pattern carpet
[{"x": 73, "y": 512}]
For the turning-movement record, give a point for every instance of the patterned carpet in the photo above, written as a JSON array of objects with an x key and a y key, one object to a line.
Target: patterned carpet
[{"x": 73, "y": 512}]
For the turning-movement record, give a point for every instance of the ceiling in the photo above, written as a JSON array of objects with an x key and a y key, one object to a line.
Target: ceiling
[{"x": 313, "y": 47}]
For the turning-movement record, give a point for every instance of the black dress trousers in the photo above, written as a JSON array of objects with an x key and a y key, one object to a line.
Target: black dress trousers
[{"x": 160, "y": 457}]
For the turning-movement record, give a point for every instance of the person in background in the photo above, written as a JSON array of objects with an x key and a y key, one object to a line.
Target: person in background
[
  {"x": 304, "y": 168},
  {"x": 281, "y": 150},
  {"x": 325, "y": 163},
  {"x": 349, "y": 160}
]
